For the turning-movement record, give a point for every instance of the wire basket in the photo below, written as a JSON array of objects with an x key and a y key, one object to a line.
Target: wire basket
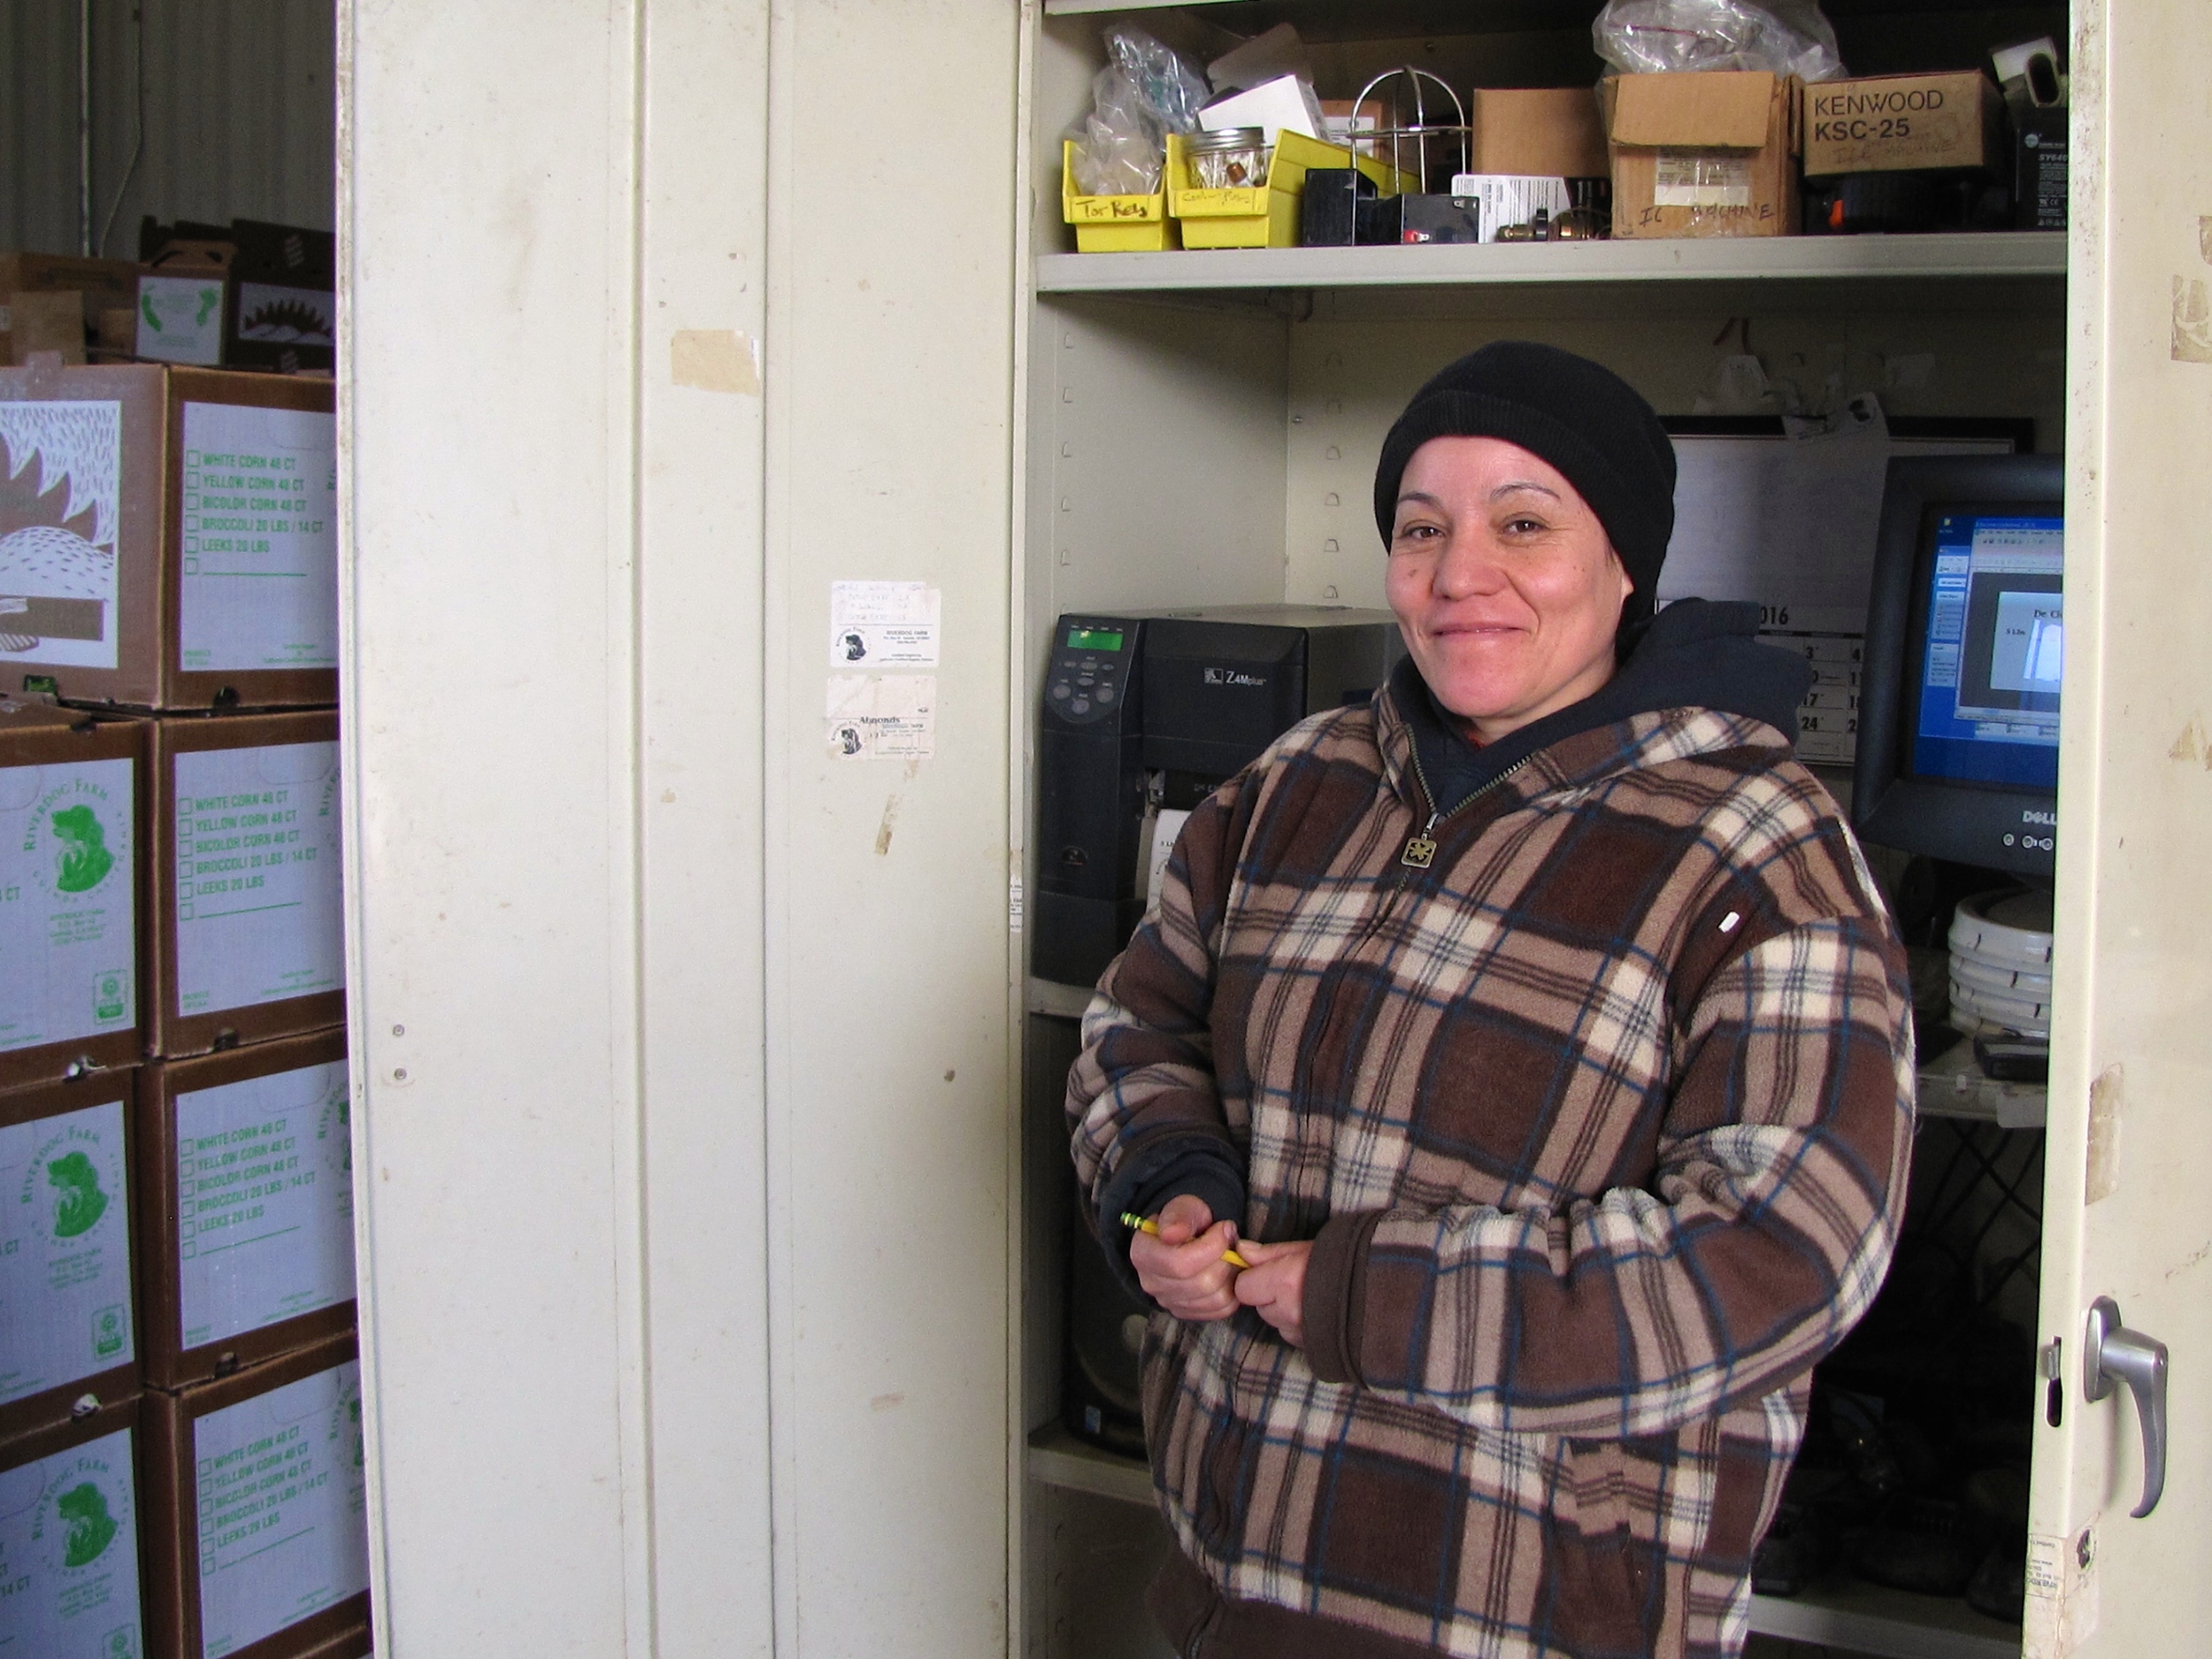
[{"x": 1413, "y": 135}]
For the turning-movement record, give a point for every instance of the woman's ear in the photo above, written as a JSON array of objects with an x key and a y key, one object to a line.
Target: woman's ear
[{"x": 1628, "y": 582}]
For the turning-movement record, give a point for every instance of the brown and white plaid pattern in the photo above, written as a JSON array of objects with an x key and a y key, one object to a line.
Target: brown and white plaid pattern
[{"x": 1600, "y": 1125}]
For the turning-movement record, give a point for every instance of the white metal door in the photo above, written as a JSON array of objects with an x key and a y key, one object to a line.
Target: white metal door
[{"x": 2130, "y": 1161}]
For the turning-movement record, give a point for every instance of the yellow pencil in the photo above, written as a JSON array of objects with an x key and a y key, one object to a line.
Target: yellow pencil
[{"x": 1141, "y": 1224}]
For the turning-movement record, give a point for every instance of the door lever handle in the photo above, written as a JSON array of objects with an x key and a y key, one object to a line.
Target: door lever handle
[{"x": 2112, "y": 1354}]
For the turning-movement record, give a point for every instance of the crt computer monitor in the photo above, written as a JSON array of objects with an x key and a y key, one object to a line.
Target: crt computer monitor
[{"x": 1959, "y": 687}]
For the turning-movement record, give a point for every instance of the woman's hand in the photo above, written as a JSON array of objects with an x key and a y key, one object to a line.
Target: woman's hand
[
  {"x": 1274, "y": 1286},
  {"x": 1181, "y": 1269}
]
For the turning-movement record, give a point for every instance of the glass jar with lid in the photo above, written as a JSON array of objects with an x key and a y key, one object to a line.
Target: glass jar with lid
[{"x": 1230, "y": 158}]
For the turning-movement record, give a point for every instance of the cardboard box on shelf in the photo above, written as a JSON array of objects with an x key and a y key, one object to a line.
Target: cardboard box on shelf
[
  {"x": 1903, "y": 123},
  {"x": 256, "y": 1515},
  {"x": 282, "y": 310},
  {"x": 183, "y": 299},
  {"x": 71, "y": 1506},
  {"x": 247, "y": 1200},
  {"x": 1712, "y": 153},
  {"x": 168, "y": 537},
  {"x": 1554, "y": 132},
  {"x": 97, "y": 283},
  {"x": 248, "y": 931},
  {"x": 1351, "y": 126},
  {"x": 66, "y": 1300},
  {"x": 75, "y": 816},
  {"x": 46, "y": 322}
]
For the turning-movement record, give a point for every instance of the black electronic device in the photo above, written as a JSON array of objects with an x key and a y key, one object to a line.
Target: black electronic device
[
  {"x": 1434, "y": 216},
  {"x": 1329, "y": 214},
  {"x": 1100, "y": 1397},
  {"x": 2014, "y": 1059},
  {"x": 2039, "y": 181},
  {"x": 1091, "y": 798},
  {"x": 1151, "y": 710},
  {"x": 1959, "y": 696}
]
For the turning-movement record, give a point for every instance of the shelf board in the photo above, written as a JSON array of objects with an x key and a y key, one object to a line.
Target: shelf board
[
  {"x": 1864, "y": 1618},
  {"x": 1983, "y": 255},
  {"x": 1057, "y": 1458}
]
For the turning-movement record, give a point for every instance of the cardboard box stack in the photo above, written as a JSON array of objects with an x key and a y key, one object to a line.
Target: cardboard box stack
[{"x": 179, "y": 1398}]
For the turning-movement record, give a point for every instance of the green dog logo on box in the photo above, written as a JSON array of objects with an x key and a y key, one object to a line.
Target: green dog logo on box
[
  {"x": 91, "y": 1528},
  {"x": 85, "y": 857},
  {"x": 79, "y": 1203}
]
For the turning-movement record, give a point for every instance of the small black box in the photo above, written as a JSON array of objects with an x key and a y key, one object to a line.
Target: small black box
[
  {"x": 1441, "y": 219},
  {"x": 1330, "y": 214},
  {"x": 1378, "y": 222},
  {"x": 2039, "y": 193}
]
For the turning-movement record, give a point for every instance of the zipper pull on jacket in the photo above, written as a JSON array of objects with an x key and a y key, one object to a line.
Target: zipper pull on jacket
[{"x": 1420, "y": 850}]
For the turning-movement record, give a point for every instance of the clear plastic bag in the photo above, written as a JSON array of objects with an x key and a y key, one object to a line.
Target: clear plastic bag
[
  {"x": 1172, "y": 91},
  {"x": 1147, "y": 91},
  {"x": 1788, "y": 37},
  {"x": 1120, "y": 151}
]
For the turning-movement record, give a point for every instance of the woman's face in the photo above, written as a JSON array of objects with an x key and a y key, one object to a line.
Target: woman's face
[{"x": 1505, "y": 584}]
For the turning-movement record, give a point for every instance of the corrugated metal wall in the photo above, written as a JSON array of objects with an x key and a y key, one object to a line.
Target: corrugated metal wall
[{"x": 241, "y": 116}]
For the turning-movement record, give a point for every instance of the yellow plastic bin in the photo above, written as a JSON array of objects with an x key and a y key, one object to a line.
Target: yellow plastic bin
[
  {"x": 1261, "y": 216},
  {"x": 1118, "y": 223}
]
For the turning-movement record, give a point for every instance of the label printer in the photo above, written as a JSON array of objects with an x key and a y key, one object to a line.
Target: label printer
[{"x": 1145, "y": 714}]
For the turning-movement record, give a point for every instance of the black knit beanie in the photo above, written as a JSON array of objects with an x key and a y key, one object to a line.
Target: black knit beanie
[{"x": 1582, "y": 419}]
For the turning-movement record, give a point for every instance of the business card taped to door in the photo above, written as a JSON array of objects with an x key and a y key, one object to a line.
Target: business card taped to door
[
  {"x": 882, "y": 717},
  {"x": 884, "y": 625}
]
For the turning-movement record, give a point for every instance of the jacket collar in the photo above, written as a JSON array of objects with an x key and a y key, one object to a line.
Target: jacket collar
[{"x": 1695, "y": 681}]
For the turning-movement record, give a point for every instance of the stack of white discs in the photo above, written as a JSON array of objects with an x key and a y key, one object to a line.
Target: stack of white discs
[{"x": 2000, "y": 965}]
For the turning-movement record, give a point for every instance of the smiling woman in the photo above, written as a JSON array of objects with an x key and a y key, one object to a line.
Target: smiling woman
[
  {"x": 1503, "y": 582},
  {"x": 1536, "y": 1037}
]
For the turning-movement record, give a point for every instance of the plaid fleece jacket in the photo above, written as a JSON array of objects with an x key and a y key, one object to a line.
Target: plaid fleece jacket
[{"x": 1599, "y": 1124}]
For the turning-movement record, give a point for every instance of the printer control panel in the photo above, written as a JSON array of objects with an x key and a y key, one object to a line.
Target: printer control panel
[{"x": 1088, "y": 678}]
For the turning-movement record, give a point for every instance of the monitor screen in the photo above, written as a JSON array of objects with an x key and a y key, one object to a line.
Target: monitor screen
[
  {"x": 1083, "y": 639},
  {"x": 1992, "y": 642}
]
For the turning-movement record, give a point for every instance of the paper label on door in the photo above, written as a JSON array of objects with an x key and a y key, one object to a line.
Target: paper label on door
[
  {"x": 69, "y": 1555},
  {"x": 60, "y": 509},
  {"x": 2061, "y": 1612},
  {"x": 68, "y": 938},
  {"x": 881, "y": 716},
  {"x": 258, "y": 915},
  {"x": 265, "y": 1201},
  {"x": 282, "y": 1505},
  {"x": 259, "y": 582},
  {"x": 65, "y": 1251},
  {"x": 1699, "y": 178},
  {"x": 884, "y": 625}
]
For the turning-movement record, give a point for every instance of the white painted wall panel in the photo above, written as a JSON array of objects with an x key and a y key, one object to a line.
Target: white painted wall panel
[
  {"x": 889, "y": 407},
  {"x": 240, "y": 116},
  {"x": 704, "y": 259},
  {"x": 687, "y": 1047},
  {"x": 490, "y": 706}
]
